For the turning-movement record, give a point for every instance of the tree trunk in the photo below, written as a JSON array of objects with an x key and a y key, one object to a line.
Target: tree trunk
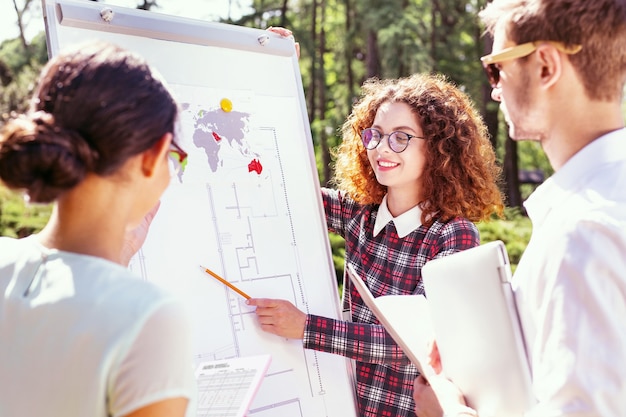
[
  {"x": 489, "y": 110},
  {"x": 510, "y": 166},
  {"x": 325, "y": 150},
  {"x": 312, "y": 93},
  {"x": 20, "y": 22},
  {"x": 373, "y": 57},
  {"x": 283, "y": 14},
  {"x": 433, "y": 34},
  {"x": 511, "y": 173},
  {"x": 348, "y": 51},
  {"x": 402, "y": 67},
  {"x": 5, "y": 74}
]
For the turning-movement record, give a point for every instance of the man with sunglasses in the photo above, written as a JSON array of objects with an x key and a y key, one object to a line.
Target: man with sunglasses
[{"x": 558, "y": 69}]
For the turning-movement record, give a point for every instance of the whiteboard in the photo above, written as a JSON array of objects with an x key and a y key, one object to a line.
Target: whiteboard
[{"x": 247, "y": 205}]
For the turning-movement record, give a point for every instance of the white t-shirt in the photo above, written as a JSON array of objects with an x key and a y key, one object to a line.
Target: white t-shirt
[
  {"x": 571, "y": 284},
  {"x": 81, "y": 336}
]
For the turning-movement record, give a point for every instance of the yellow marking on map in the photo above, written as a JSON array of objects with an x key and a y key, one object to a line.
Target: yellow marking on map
[{"x": 226, "y": 105}]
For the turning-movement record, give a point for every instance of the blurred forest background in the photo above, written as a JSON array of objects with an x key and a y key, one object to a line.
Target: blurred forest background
[{"x": 343, "y": 42}]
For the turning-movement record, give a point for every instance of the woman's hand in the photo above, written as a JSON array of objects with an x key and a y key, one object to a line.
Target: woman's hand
[
  {"x": 279, "y": 317},
  {"x": 286, "y": 33},
  {"x": 134, "y": 239}
]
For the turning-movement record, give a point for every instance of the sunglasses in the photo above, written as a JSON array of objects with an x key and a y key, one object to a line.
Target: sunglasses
[
  {"x": 491, "y": 61},
  {"x": 398, "y": 141}
]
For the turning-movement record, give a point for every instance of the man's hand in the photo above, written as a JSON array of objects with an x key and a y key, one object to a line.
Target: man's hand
[
  {"x": 426, "y": 402},
  {"x": 437, "y": 394}
]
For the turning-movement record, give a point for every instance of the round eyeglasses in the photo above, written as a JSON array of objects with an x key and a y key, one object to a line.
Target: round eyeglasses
[{"x": 398, "y": 141}]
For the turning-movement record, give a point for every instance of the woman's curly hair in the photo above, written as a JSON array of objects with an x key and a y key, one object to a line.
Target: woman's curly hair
[{"x": 461, "y": 176}]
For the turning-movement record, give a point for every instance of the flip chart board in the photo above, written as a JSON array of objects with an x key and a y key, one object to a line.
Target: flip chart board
[{"x": 247, "y": 204}]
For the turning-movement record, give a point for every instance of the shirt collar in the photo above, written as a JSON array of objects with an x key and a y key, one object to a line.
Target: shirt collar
[
  {"x": 572, "y": 175},
  {"x": 405, "y": 223}
]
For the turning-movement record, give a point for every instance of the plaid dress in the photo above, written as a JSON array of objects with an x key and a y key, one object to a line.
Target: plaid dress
[{"x": 389, "y": 265}]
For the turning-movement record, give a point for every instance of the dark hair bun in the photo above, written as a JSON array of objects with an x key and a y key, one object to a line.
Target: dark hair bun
[{"x": 42, "y": 158}]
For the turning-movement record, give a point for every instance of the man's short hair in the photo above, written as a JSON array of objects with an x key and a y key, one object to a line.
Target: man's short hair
[{"x": 598, "y": 25}]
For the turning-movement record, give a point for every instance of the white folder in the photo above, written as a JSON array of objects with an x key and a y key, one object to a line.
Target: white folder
[
  {"x": 477, "y": 328},
  {"x": 405, "y": 317}
]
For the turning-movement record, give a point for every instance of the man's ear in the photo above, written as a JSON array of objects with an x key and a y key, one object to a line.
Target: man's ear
[
  {"x": 155, "y": 155},
  {"x": 551, "y": 64}
]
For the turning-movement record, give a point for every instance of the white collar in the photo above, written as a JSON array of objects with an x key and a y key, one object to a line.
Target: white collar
[
  {"x": 405, "y": 223},
  {"x": 574, "y": 173}
]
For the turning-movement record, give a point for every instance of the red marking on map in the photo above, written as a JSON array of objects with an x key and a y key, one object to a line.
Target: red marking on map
[
  {"x": 255, "y": 166},
  {"x": 216, "y": 137}
]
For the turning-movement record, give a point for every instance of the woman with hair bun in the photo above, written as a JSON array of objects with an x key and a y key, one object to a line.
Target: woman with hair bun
[{"x": 79, "y": 335}]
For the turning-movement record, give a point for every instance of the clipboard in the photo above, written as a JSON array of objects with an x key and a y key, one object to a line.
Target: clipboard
[
  {"x": 477, "y": 328},
  {"x": 227, "y": 387},
  {"x": 405, "y": 317}
]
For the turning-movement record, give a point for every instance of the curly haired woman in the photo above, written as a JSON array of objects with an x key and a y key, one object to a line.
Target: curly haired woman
[{"x": 414, "y": 171}]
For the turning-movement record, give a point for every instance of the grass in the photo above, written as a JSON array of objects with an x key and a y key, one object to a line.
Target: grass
[{"x": 17, "y": 217}]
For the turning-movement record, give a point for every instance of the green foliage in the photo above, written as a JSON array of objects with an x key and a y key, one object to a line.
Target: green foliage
[
  {"x": 15, "y": 96},
  {"x": 12, "y": 53},
  {"x": 22, "y": 69},
  {"x": 514, "y": 230},
  {"x": 19, "y": 219},
  {"x": 530, "y": 156},
  {"x": 337, "y": 245}
]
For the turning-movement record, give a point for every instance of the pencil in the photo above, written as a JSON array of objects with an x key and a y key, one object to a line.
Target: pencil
[{"x": 223, "y": 281}]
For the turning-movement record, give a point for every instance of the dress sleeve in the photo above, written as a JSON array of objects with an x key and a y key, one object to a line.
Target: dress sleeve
[
  {"x": 158, "y": 365},
  {"x": 359, "y": 341},
  {"x": 339, "y": 210},
  {"x": 455, "y": 236}
]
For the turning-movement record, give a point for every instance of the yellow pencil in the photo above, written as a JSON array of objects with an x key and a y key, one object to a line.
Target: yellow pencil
[{"x": 223, "y": 281}]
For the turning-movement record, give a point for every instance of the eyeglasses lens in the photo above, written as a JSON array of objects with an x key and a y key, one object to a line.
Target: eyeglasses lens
[
  {"x": 398, "y": 141},
  {"x": 174, "y": 154},
  {"x": 177, "y": 152},
  {"x": 178, "y": 158},
  {"x": 493, "y": 74},
  {"x": 371, "y": 138}
]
